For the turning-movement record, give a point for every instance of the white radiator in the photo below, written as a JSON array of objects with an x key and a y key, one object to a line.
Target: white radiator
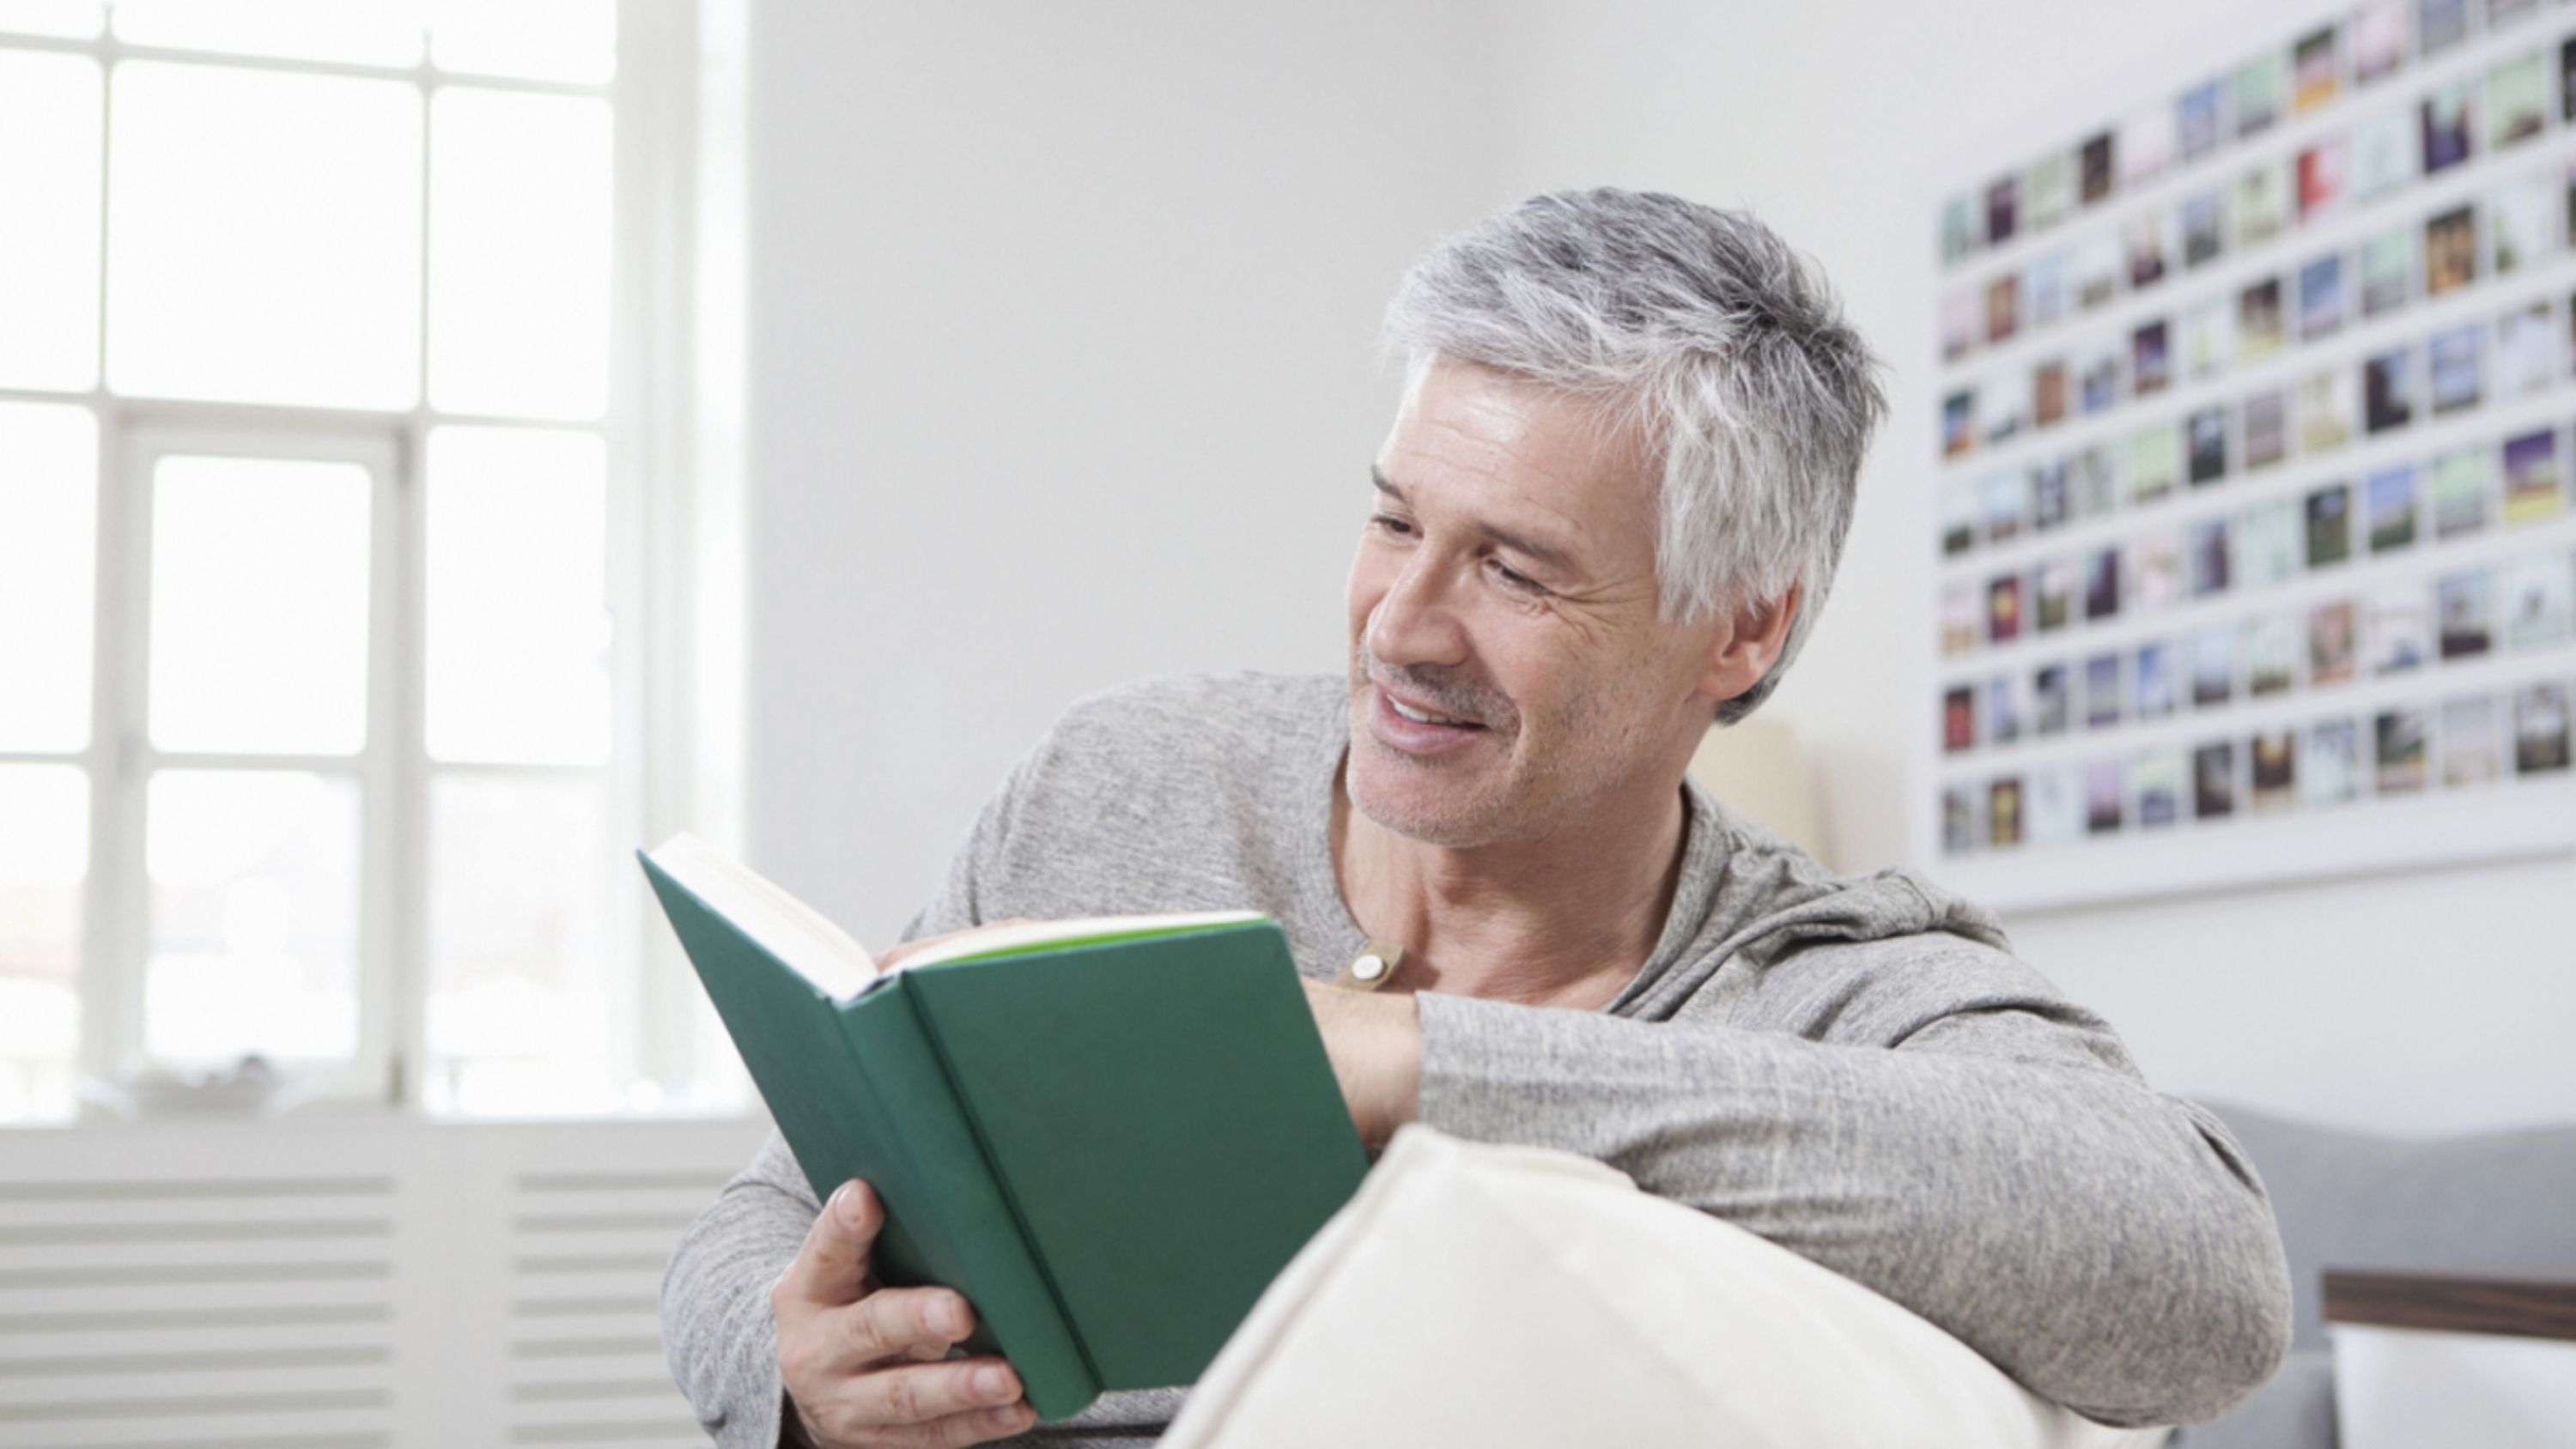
[{"x": 336, "y": 1285}]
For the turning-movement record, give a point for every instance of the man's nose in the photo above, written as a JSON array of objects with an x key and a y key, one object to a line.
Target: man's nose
[{"x": 1416, "y": 621}]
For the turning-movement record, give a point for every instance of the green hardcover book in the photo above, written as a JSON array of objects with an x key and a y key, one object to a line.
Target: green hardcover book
[{"x": 1108, "y": 1135}]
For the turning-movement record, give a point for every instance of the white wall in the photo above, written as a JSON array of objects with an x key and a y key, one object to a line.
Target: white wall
[{"x": 1060, "y": 376}]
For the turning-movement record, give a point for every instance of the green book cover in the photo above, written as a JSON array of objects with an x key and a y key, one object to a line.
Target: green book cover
[{"x": 1109, "y": 1136}]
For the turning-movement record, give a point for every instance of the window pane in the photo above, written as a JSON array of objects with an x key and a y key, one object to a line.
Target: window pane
[
  {"x": 518, "y": 615},
  {"x": 519, "y": 1007},
  {"x": 561, "y": 40},
  {"x": 259, "y": 605},
  {"x": 44, "y": 863},
  {"x": 264, "y": 236},
  {"x": 78, "y": 19},
  {"x": 48, "y": 550},
  {"x": 362, "y": 32},
  {"x": 254, "y": 888},
  {"x": 49, "y": 173},
  {"x": 519, "y": 253}
]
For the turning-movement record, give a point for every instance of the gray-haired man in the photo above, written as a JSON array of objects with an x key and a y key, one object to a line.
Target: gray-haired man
[{"x": 1606, "y": 516}]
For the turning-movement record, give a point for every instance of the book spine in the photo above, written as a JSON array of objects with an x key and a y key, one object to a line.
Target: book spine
[{"x": 987, "y": 1251}]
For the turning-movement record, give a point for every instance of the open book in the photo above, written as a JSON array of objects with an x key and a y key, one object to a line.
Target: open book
[{"x": 1108, "y": 1134}]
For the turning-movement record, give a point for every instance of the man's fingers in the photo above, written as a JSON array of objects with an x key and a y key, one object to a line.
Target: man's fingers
[
  {"x": 925, "y": 1393},
  {"x": 901, "y": 1323},
  {"x": 975, "y": 1426},
  {"x": 832, "y": 1267}
]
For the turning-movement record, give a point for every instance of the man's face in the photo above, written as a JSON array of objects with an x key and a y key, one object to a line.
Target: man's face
[{"x": 1505, "y": 587}]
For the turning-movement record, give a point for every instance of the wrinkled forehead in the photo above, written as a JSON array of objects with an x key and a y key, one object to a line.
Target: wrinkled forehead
[{"x": 1509, "y": 443}]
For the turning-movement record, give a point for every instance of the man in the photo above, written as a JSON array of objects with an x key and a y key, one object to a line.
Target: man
[{"x": 1607, "y": 513}]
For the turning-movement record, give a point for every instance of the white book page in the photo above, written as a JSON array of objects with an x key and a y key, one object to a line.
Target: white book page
[
  {"x": 1038, "y": 933},
  {"x": 793, "y": 931}
]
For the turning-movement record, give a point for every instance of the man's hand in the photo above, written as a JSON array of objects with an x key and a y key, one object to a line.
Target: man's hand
[
  {"x": 1375, "y": 1041},
  {"x": 866, "y": 1366}
]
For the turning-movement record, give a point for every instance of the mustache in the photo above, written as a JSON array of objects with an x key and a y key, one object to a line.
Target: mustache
[{"x": 1454, "y": 698}]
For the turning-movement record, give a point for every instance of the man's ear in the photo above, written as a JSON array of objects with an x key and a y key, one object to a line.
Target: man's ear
[{"x": 1746, "y": 647}]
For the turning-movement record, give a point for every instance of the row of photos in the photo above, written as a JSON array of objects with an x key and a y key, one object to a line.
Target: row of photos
[{"x": 2396, "y": 612}]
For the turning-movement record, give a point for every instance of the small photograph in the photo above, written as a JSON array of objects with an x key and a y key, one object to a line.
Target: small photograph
[
  {"x": 2401, "y": 632},
  {"x": 2458, "y": 379},
  {"x": 2000, "y": 210},
  {"x": 2003, "y": 307},
  {"x": 2094, "y": 483},
  {"x": 2446, "y": 121},
  {"x": 2379, "y": 155},
  {"x": 2523, "y": 222},
  {"x": 2096, "y": 262},
  {"x": 2048, "y": 392},
  {"x": 2148, "y": 242},
  {"x": 2472, "y": 749},
  {"x": 2097, "y": 374},
  {"x": 1962, "y": 228},
  {"x": 2459, "y": 492},
  {"x": 2213, "y": 780},
  {"x": 2197, "y": 119},
  {"x": 2053, "y": 810},
  {"x": 2155, "y": 786},
  {"x": 1958, "y": 423},
  {"x": 2517, "y": 100},
  {"x": 1962, "y": 619},
  {"x": 1958, "y": 820},
  {"x": 2322, "y": 302},
  {"x": 2094, "y": 172},
  {"x": 2146, "y": 145},
  {"x": 2051, "y": 191},
  {"x": 2208, "y": 337},
  {"x": 2333, "y": 772},
  {"x": 2262, "y": 204},
  {"x": 2048, "y": 699},
  {"x": 2208, "y": 555},
  {"x": 1961, "y": 504},
  {"x": 1958, "y": 719},
  {"x": 2465, "y": 601},
  {"x": 2391, "y": 501},
  {"x": 2323, "y": 175},
  {"x": 2527, "y": 352},
  {"x": 2156, "y": 679},
  {"x": 2388, "y": 390},
  {"x": 2267, "y": 428},
  {"x": 2258, "y": 320},
  {"x": 2207, "y": 431},
  {"x": 2150, "y": 361},
  {"x": 2450, "y": 250},
  {"x": 2213, "y": 664},
  {"x": 2271, "y": 646},
  {"x": 2005, "y": 409},
  {"x": 2532, "y": 491},
  {"x": 2327, "y": 415},
  {"x": 1963, "y": 323},
  {"x": 2272, "y": 759},
  {"x": 2329, "y": 516},
  {"x": 2102, "y": 583},
  {"x": 2047, "y": 292},
  {"x": 2540, "y": 728},
  {"x": 2003, "y": 609},
  {"x": 2101, "y": 691},
  {"x": 2378, "y": 32},
  {"x": 2155, "y": 568},
  {"x": 2261, "y": 86},
  {"x": 2400, "y": 735},
  {"x": 2003, "y": 811},
  {"x": 2267, "y": 543},
  {"x": 2106, "y": 790},
  {"x": 2331, "y": 635},
  {"x": 2048, "y": 494},
  {"x": 2387, "y": 271},
  {"x": 2155, "y": 462},
  {"x": 2007, "y": 496},
  {"x": 2204, "y": 226},
  {"x": 2312, "y": 70},
  {"x": 2053, "y": 594},
  {"x": 2439, "y": 25},
  {"x": 2007, "y": 702},
  {"x": 2539, "y": 601}
]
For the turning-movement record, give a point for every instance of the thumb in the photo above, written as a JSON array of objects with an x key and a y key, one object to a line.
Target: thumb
[{"x": 832, "y": 1266}]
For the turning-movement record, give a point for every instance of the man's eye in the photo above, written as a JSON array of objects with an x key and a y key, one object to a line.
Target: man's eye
[
  {"x": 1513, "y": 578},
  {"x": 1390, "y": 523}
]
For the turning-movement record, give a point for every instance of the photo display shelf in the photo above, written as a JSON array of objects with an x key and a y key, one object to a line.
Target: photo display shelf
[{"x": 2255, "y": 531}]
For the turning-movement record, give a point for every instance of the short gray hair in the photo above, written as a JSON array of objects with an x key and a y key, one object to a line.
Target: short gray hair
[{"x": 1701, "y": 331}]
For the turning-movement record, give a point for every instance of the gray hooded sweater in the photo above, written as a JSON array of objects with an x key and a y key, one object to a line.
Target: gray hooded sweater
[{"x": 1855, "y": 1067}]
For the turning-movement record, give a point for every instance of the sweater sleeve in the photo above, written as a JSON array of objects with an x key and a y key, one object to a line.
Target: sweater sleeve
[{"x": 1926, "y": 1117}]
